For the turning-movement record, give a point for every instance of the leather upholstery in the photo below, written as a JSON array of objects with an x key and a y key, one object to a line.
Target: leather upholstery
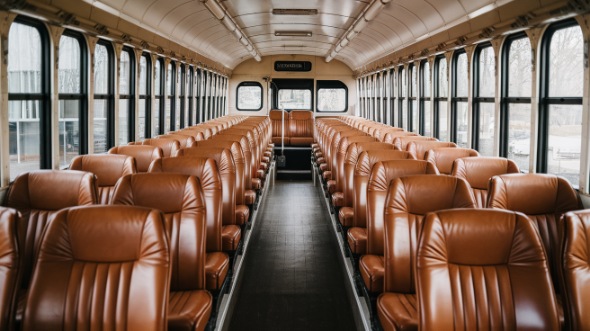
[
  {"x": 301, "y": 127},
  {"x": 197, "y": 135},
  {"x": 9, "y": 265},
  {"x": 345, "y": 142},
  {"x": 101, "y": 267},
  {"x": 277, "y": 116},
  {"x": 108, "y": 168},
  {"x": 576, "y": 268},
  {"x": 38, "y": 195},
  {"x": 180, "y": 198},
  {"x": 483, "y": 270},
  {"x": 246, "y": 155},
  {"x": 478, "y": 171},
  {"x": 169, "y": 146},
  {"x": 185, "y": 141},
  {"x": 391, "y": 135},
  {"x": 418, "y": 148},
  {"x": 444, "y": 157},
  {"x": 361, "y": 178},
  {"x": 553, "y": 196},
  {"x": 143, "y": 154},
  {"x": 401, "y": 142}
]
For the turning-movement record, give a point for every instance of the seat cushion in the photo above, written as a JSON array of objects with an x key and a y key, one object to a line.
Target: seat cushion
[
  {"x": 242, "y": 214},
  {"x": 324, "y": 167},
  {"x": 398, "y": 311},
  {"x": 338, "y": 199},
  {"x": 357, "y": 240},
  {"x": 319, "y": 160},
  {"x": 372, "y": 269},
  {"x": 346, "y": 215},
  {"x": 189, "y": 310},
  {"x": 230, "y": 237},
  {"x": 256, "y": 183},
  {"x": 249, "y": 197},
  {"x": 216, "y": 267},
  {"x": 263, "y": 166},
  {"x": 266, "y": 159}
]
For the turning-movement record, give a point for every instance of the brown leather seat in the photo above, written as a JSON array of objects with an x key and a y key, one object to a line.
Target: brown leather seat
[
  {"x": 418, "y": 148},
  {"x": 249, "y": 192},
  {"x": 169, "y": 146},
  {"x": 357, "y": 234},
  {"x": 409, "y": 200},
  {"x": 144, "y": 154},
  {"x": 331, "y": 176},
  {"x": 230, "y": 230},
  {"x": 346, "y": 212},
  {"x": 277, "y": 117},
  {"x": 250, "y": 154},
  {"x": 576, "y": 269},
  {"x": 196, "y": 134},
  {"x": 483, "y": 269},
  {"x": 9, "y": 266},
  {"x": 478, "y": 171},
  {"x": 184, "y": 140},
  {"x": 382, "y": 174},
  {"x": 301, "y": 127},
  {"x": 544, "y": 198},
  {"x": 391, "y": 135},
  {"x": 108, "y": 168},
  {"x": 104, "y": 267},
  {"x": 180, "y": 198},
  {"x": 444, "y": 157},
  {"x": 217, "y": 261},
  {"x": 38, "y": 195}
]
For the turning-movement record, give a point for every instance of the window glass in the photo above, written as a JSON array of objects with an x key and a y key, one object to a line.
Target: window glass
[
  {"x": 519, "y": 134},
  {"x": 69, "y": 79},
  {"x": 143, "y": 96},
  {"x": 486, "y": 128},
  {"x": 566, "y": 69},
  {"x": 332, "y": 99},
  {"x": 124, "y": 95},
  {"x": 461, "y": 75},
  {"x": 519, "y": 66},
  {"x": 442, "y": 102},
  {"x": 294, "y": 99},
  {"x": 169, "y": 96},
  {"x": 101, "y": 91},
  {"x": 249, "y": 96},
  {"x": 158, "y": 96},
  {"x": 426, "y": 81},
  {"x": 177, "y": 106},
  {"x": 414, "y": 101},
  {"x": 487, "y": 78}
]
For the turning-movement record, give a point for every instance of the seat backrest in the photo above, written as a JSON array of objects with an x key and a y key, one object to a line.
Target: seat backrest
[
  {"x": 38, "y": 195},
  {"x": 301, "y": 123},
  {"x": 144, "y": 154},
  {"x": 9, "y": 265},
  {"x": 362, "y": 171},
  {"x": 108, "y": 168},
  {"x": 408, "y": 201},
  {"x": 183, "y": 139},
  {"x": 335, "y": 148},
  {"x": 418, "y": 148},
  {"x": 250, "y": 151},
  {"x": 169, "y": 146},
  {"x": 444, "y": 157},
  {"x": 483, "y": 269},
  {"x": 180, "y": 199},
  {"x": 477, "y": 171},
  {"x": 227, "y": 173},
  {"x": 106, "y": 266},
  {"x": 341, "y": 157},
  {"x": 197, "y": 135},
  {"x": 350, "y": 159},
  {"x": 246, "y": 151},
  {"x": 391, "y": 135},
  {"x": 576, "y": 268},
  {"x": 544, "y": 198},
  {"x": 380, "y": 178},
  {"x": 206, "y": 170},
  {"x": 401, "y": 143}
]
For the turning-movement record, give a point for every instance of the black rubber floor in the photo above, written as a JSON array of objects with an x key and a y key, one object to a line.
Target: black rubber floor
[{"x": 292, "y": 278}]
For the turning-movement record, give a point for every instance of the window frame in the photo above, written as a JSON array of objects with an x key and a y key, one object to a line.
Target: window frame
[
  {"x": 476, "y": 99},
  {"x": 110, "y": 96},
  {"x": 148, "y": 96},
  {"x": 132, "y": 92},
  {"x": 331, "y": 84},
  {"x": 249, "y": 83}
]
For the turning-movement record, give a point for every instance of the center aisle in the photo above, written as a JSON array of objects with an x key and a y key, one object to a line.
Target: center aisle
[{"x": 292, "y": 279}]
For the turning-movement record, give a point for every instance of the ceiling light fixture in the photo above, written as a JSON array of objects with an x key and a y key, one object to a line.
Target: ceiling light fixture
[
  {"x": 222, "y": 15},
  {"x": 293, "y": 33},
  {"x": 292, "y": 11},
  {"x": 371, "y": 11}
]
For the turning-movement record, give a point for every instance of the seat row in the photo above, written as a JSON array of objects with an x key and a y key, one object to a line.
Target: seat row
[
  {"x": 293, "y": 128},
  {"x": 380, "y": 188},
  {"x": 212, "y": 164}
]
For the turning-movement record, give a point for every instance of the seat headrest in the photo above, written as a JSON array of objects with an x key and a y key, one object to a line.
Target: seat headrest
[
  {"x": 143, "y": 154},
  {"x": 367, "y": 159},
  {"x": 203, "y": 168},
  {"x": 445, "y": 156},
  {"x": 233, "y": 146},
  {"x": 108, "y": 168},
  {"x": 418, "y": 148},
  {"x": 300, "y": 115},
  {"x": 277, "y": 114},
  {"x": 222, "y": 156},
  {"x": 478, "y": 170},
  {"x": 243, "y": 140},
  {"x": 169, "y": 146},
  {"x": 401, "y": 143},
  {"x": 167, "y": 192},
  {"x": 384, "y": 172},
  {"x": 391, "y": 135},
  {"x": 421, "y": 194},
  {"x": 347, "y": 141},
  {"x": 52, "y": 190},
  {"x": 532, "y": 194}
]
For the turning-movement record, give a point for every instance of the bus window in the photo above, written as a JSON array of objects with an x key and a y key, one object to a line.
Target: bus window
[
  {"x": 126, "y": 96},
  {"x": 441, "y": 102},
  {"x": 402, "y": 98},
  {"x": 249, "y": 96},
  {"x": 414, "y": 111},
  {"x": 563, "y": 64},
  {"x": 144, "y": 107},
  {"x": 484, "y": 97},
  {"x": 517, "y": 99},
  {"x": 459, "y": 99},
  {"x": 170, "y": 91},
  {"x": 425, "y": 105},
  {"x": 332, "y": 96},
  {"x": 103, "y": 96},
  {"x": 159, "y": 96}
]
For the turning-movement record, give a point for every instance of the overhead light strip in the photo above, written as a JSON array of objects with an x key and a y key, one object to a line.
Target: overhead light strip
[
  {"x": 222, "y": 15},
  {"x": 293, "y": 33},
  {"x": 371, "y": 11}
]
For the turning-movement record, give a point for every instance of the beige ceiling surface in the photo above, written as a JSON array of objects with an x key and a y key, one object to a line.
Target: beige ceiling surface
[{"x": 398, "y": 24}]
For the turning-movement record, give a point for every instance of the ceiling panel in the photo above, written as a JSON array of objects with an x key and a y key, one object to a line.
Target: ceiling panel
[{"x": 399, "y": 23}]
